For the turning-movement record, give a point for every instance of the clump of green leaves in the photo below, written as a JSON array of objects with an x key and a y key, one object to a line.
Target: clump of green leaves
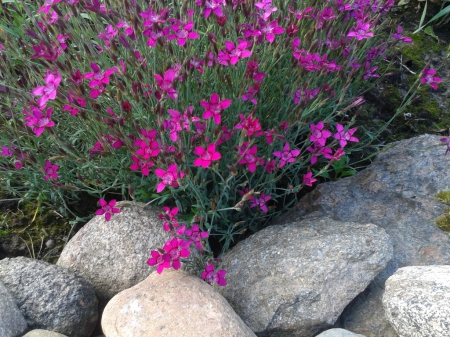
[{"x": 443, "y": 221}]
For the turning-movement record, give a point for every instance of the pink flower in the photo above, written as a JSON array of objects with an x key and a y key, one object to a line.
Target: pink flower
[
  {"x": 270, "y": 166},
  {"x": 108, "y": 35},
  {"x": 47, "y": 91},
  {"x": 446, "y": 140},
  {"x": 429, "y": 78},
  {"x": 232, "y": 53},
  {"x": 39, "y": 121},
  {"x": 99, "y": 79},
  {"x": 73, "y": 111},
  {"x": 182, "y": 33},
  {"x": 107, "y": 209},
  {"x": 269, "y": 30},
  {"x": 308, "y": 179},
  {"x": 344, "y": 136},
  {"x": 206, "y": 155},
  {"x": 248, "y": 157},
  {"x": 141, "y": 163},
  {"x": 319, "y": 135},
  {"x": 165, "y": 84},
  {"x": 169, "y": 215},
  {"x": 287, "y": 156},
  {"x": 169, "y": 177},
  {"x": 248, "y": 124},
  {"x": 336, "y": 156},
  {"x": 195, "y": 236},
  {"x": 362, "y": 31},
  {"x": 318, "y": 150},
  {"x": 400, "y": 37},
  {"x": 265, "y": 9},
  {"x": 210, "y": 276},
  {"x": 214, "y": 107},
  {"x": 162, "y": 260},
  {"x": 260, "y": 201},
  {"x": 45, "y": 8},
  {"x": 50, "y": 171},
  {"x": 151, "y": 149},
  {"x": 177, "y": 248},
  {"x": 6, "y": 152},
  {"x": 251, "y": 92},
  {"x": 214, "y": 6}
]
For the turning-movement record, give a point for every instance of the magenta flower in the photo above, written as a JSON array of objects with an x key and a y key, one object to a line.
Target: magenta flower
[
  {"x": 50, "y": 171},
  {"x": 318, "y": 150},
  {"x": 362, "y": 31},
  {"x": 214, "y": 6},
  {"x": 151, "y": 149},
  {"x": 336, "y": 156},
  {"x": 47, "y": 91},
  {"x": 269, "y": 30},
  {"x": 214, "y": 107},
  {"x": 6, "y": 152},
  {"x": 430, "y": 79},
  {"x": 210, "y": 276},
  {"x": 446, "y": 140},
  {"x": 162, "y": 260},
  {"x": 177, "y": 248},
  {"x": 251, "y": 92},
  {"x": 308, "y": 179},
  {"x": 169, "y": 177},
  {"x": 345, "y": 136},
  {"x": 99, "y": 79},
  {"x": 287, "y": 156},
  {"x": 143, "y": 164},
  {"x": 195, "y": 236},
  {"x": 206, "y": 155},
  {"x": 182, "y": 33},
  {"x": 38, "y": 121},
  {"x": 400, "y": 37},
  {"x": 319, "y": 135},
  {"x": 260, "y": 201},
  {"x": 248, "y": 157},
  {"x": 165, "y": 84},
  {"x": 265, "y": 9},
  {"x": 232, "y": 53},
  {"x": 107, "y": 208},
  {"x": 108, "y": 35},
  {"x": 169, "y": 215},
  {"x": 45, "y": 8},
  {"x": 248, "y": 124}
]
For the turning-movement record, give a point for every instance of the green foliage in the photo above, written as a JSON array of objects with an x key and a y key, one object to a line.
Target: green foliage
[{"x": 443, "y": 221}]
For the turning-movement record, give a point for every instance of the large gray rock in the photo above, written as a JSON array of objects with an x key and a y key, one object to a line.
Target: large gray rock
[
  {"x": 112, "y": 255},
  {"x": 417, "y": 301},
  {"x": 338, "y": 333},
  {"x": 171, "y": 304},
  {"x": 50, "y": 297},
  {"x": 396, "y": 193},
  {"x": 295, "y": 279},
  {"x": 12, "y": 323}
]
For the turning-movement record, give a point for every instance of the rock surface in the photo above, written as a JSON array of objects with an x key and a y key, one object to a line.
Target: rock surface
[
  {"x": 338, "y": 333},
  {"x": 112, "y": 255},
  {"x": 50, "y": 297},
  {"x": 417, "y": 301},
  {"x": 171, "y": 304},
  {"x": 396, "y": 192},
  {"x": 296, "y": 279},
  {"x": 12, "y": 323},
  {"x": 43, "y": 333}
]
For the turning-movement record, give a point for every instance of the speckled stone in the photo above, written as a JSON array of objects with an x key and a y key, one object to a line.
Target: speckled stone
[
  {"x": 172, "y": 304},
  {"x": 296, "y": 279},
  {"x": 51, "y": 297},
  {"x": 417, "y": 301},
  {"x": 113, "y": 255}
]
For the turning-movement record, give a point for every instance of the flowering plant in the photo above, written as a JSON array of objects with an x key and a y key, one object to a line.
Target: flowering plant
[{"x": 222, "y": 110}]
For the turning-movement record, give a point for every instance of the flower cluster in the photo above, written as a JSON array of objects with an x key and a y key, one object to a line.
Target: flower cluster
[{"x": 224, "y": 109}]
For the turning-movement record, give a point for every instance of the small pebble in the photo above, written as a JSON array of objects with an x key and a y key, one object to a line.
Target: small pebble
[{"x": 50, "y": 243}]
